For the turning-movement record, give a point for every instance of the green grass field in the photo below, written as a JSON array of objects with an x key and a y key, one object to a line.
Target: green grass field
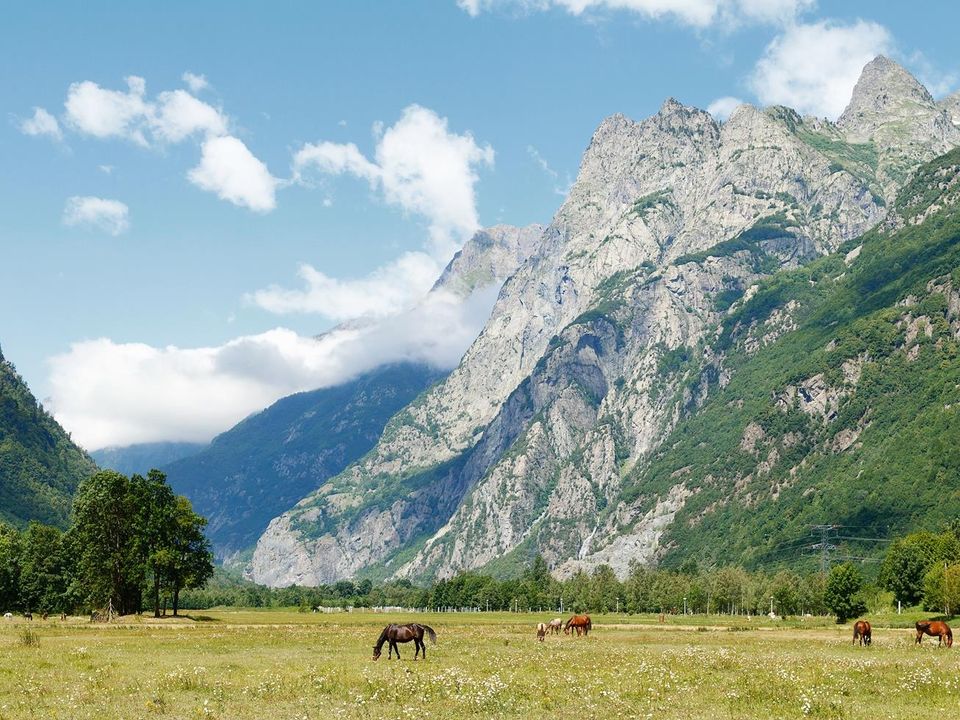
[{"x": 285, "y": 665}]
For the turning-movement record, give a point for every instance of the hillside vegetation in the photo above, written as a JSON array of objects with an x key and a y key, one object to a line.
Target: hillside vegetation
[
  {"x": 40, "y": 467},
  {"x": 843, "y": 399},
  {"x": 266, "y": 463}
]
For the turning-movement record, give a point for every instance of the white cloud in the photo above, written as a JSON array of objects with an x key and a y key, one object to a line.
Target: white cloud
[
  {"x": 171, "y": 118},
  {"x": 722, "y": 108},
  {"x": 42, "y": 123},
  {"x": 420, "y": 166},
  {"x": 813, "y": 67},
  {"x": 108, "y": 393},
  {"x": 111, "y": 216},
  {"x": 93, "y": 110},
  {"x": 196, "y": 83},
  {"x": 939, "y": 83},
  {"x": 696, "y": 13},
  {"x": 334, "y": 159},
  {"x": 178, "y": 115},
  {"x": 562, "y": 190},
  {"x": 229, "y": 169},
  {"x": 384, "y": 292}
]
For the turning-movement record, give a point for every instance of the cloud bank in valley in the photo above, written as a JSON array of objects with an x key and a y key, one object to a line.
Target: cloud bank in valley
[{"x": 115, "y": 394}]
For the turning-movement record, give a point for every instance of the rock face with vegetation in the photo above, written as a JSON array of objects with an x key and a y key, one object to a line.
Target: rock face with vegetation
[
  {"x": 617, "y": 336},
  {"x": 265, "y": 464},
  {"x": 40, "y": 467}
]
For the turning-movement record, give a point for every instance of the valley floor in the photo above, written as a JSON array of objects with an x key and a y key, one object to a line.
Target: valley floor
[{"x": 289, "y": 665}]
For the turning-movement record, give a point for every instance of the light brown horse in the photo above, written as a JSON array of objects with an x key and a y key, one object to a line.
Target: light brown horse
[
  {"x": 862, "y": 632},
  {"x": 580, "y": 623},
  {"x": 541, "y": 631},
  {"x": 555, "y": 626},
  {"x": 394, "y": 634},
  {"x": 937, "y": 629}
]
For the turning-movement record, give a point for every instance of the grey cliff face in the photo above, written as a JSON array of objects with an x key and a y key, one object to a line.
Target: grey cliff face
[
  {"x": 489, "y": 257},
  {"x": 524, "y": 446},
  {"x": 951, "y": 105}
]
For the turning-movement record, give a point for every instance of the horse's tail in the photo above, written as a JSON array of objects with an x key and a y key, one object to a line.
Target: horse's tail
[{"x": 430, "y": 633}]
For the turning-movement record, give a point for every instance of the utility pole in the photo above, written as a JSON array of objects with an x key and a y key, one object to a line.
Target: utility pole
[{"x": 824, "y": 546}]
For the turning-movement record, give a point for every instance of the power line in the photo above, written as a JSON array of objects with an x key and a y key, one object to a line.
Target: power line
[{"x": 824, "y": 546}]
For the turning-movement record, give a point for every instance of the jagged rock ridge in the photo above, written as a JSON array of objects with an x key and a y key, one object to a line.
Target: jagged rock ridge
[{"x": 524, "y": 447}]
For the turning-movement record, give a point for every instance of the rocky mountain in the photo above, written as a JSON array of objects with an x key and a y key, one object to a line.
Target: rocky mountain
[
  {"x": 40, "y": 466},
  {"x": 837, "y": 403},
  {"x": 533, "y": 443},
  {"x": 143, "y": 457},
  {"x": 489, "y": 258},
  {"x": 265, "y": 464},
  {"x": 951, "y": 104}
]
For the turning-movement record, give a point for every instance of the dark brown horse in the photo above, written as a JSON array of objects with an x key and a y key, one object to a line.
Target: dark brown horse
[
  {"x": 937, "y": 629},
  {"x": 580, "y": 623},
  {"x": 394, "y": 634},
  {"x": 862, "y": 632}
]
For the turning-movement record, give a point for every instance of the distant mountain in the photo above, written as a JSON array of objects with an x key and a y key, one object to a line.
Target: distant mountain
[
  {"x": 607, "y": 341},
  {"x": 40, "y": 467},
  {"x": 266, "y": 463},
  {"x": 143, "y": 457}
]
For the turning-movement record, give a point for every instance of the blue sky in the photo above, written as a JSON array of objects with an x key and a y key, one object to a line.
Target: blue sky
[{"x": 507, "y": 91}]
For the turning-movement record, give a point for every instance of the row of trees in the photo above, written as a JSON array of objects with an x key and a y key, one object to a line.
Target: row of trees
[
  {"x": 919, "y": 569},
  {"x": 727, "y": 590},
  {"x": 132, "y": 543}
]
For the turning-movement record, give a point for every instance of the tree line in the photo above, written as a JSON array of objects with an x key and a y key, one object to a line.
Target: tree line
[
  {"x": 922, "y": 568},
  {"x": 132, "y": 544}
]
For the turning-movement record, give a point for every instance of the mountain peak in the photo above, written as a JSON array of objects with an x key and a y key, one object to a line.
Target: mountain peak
[
  {"x": 885, "y": 93},
  {"x": 951, "y": 104}
]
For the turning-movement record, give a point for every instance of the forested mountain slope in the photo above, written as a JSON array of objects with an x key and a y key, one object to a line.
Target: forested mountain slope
[
  {"x": 534, "y": 443},
  {"x": 40, "y": 466},
  {"x": 839, "y": 400},
  {"x": 266, "y": 463}
]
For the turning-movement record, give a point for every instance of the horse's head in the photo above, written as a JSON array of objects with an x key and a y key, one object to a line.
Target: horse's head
[
  {"x": 566, "y": 630},
  {"x": 376, "y": 653}
]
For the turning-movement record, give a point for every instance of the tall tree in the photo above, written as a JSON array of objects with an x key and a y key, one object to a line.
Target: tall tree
[
  {"x": 842, "y": 595},
  {"x": 44, "y": 569},
  {"x": 910, "y": 558},
  {"x": 9, "y": 567},
  {"x": 157, "y": 528},
  {"x": 105, "y": 541},
  {"x": 191, "y": 561}
]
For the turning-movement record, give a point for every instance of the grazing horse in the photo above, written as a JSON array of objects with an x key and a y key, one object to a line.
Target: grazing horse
[
  {"x": 28, "y": 616},
  {"x": 541, "y": 631},
  {"x": 862, "y": 632},
  {"x": 394, "y": 634},
  {"x": 555, "y": 626},
  {"x": 580, "y": 623},
  {"x": 937, "y": 629}
]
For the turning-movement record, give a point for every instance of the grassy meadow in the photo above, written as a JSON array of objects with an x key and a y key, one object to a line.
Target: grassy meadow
[{"x": 285, "y": 665}]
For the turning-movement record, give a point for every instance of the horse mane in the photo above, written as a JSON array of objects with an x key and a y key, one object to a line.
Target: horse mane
[{"x": 382, "y": 639}]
